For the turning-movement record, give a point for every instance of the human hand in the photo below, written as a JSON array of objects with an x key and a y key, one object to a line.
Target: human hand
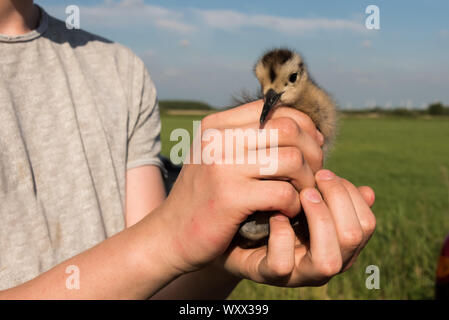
[
  {"x": 339, "y": 228},
  {"x": 209, "y": 202}
]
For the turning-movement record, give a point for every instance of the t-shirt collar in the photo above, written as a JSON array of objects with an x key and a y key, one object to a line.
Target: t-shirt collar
[{"x": 42, "y": 27}]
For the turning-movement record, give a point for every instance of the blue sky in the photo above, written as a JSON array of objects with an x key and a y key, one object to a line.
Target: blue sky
[{"x": 205, "y": 49}]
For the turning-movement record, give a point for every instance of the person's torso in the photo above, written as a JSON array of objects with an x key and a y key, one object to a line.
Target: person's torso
[{"x": 63, "y": 147}]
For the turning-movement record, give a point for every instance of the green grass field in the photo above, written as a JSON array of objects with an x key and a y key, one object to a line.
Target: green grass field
[{"x": 406, "y": 162}]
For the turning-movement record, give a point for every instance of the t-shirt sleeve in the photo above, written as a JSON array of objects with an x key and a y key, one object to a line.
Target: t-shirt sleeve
[{"x": 144, "y": 143}]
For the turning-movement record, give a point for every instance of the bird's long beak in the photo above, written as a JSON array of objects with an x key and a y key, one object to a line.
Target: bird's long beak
[{"x": 271, "y": 99}]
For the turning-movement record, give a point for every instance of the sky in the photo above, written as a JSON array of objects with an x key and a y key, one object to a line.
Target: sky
[{"x": 206, "y": 49}]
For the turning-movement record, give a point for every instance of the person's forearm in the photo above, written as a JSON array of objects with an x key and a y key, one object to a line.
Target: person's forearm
[
  {"x": 128, "y": 265},
  {"x": 211, "y": 282}
]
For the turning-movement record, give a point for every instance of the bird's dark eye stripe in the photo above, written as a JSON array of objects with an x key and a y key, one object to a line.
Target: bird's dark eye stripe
[
  {"x": 272, "y": 74},
  {"x": 293, "y": 77}
]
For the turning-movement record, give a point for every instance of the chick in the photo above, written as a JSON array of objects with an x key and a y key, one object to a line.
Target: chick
[{"x": 285, "y": 81}]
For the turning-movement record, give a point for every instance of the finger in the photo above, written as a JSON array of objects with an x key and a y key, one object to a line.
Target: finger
[
  {"x": 235, "y": 117},
  {"x": 280, "y": 259},
  {"x": 286, "y": 164},
  {"x": 349, "y": 230},
  {"x": 271, "y": 195},
  {"x": 290, "y": 134},
  {"x": 368, "y": 195},
  {"x": 365, "y": 216},
  {"x": 302, "y": 119},
  {"x": 250, "y": 113},
  {"x": 249, "y": 138},
  {"x": 323, "y": 259},
  {"x": 320, "y": 138}
]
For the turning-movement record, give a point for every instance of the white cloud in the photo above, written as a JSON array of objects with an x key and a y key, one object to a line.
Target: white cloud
[
  {"x": 137, "y": 7},
  {"x": 115, "y": 14},
  {"x": 229, "y": 20},
  {"x": 222, "y": 19}
]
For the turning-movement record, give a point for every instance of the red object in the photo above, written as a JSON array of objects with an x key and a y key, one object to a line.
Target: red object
[{"x": 442, "y": 277}]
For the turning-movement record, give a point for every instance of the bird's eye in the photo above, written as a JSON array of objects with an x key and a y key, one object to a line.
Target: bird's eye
[{"x": 293, "y": 77}]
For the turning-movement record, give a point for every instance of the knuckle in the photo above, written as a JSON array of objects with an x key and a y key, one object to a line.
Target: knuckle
[
  {"x": 287, "y": 193},
  {"x": 351, "y": 238},
  {"x": 279, "y": 268},
  {"x": 305, "y": 118},
  {"x": 329, "y": 266},
  {"x": 306, "y": 122},
  {"x": 369, "y": 223},
  {"x": 316, "y": 160},
  {"x": 288, "y": 127}
]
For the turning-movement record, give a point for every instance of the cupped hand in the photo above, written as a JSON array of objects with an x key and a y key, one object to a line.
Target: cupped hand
[{"x": 340, "y": 223}]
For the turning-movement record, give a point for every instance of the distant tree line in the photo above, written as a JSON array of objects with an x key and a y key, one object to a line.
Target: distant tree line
[
  {"x": 438, "y": 109},
  {"x": 434, "y": 109}
]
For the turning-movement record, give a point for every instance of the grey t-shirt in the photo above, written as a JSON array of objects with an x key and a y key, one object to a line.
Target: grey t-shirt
[{"x": 76, "y": 111}]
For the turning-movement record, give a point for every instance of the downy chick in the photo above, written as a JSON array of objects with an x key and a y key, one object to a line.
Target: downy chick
[{"x": 285, "y": 80}]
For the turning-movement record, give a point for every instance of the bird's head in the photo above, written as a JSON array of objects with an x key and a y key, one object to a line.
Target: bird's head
[{"x": 282, "y": 75}]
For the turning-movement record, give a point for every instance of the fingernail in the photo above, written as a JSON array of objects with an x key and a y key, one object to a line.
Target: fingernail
[
  {"x": 280, "y": 217},
  {"x": 325, "y": 175},
  {"x": 313, "y": 196}
]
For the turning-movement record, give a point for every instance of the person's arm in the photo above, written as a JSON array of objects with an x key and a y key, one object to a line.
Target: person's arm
[
  {"x": 130, "y": 265},
  {"x": 210, "y": 283},
  {"x": 144, "y": 192}
]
